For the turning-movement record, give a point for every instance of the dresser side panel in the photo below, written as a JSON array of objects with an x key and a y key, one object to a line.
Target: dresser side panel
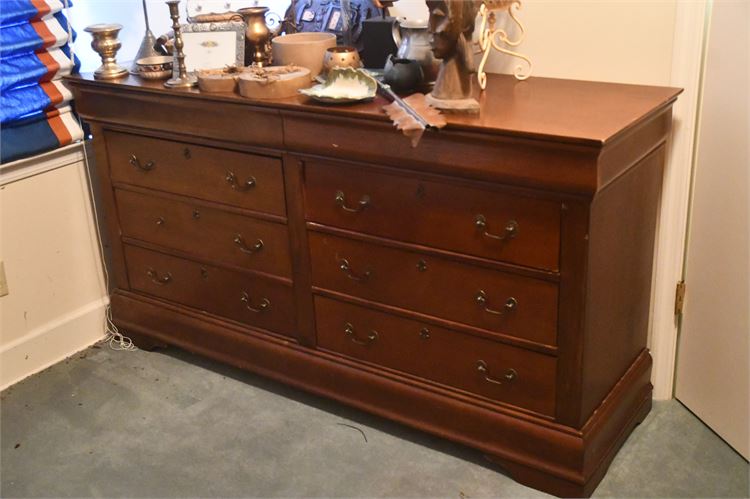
[
  {"x": 620, "y": 267},
  {"x": 574, "y": 227},
  {"x": 110, "y": 221}
]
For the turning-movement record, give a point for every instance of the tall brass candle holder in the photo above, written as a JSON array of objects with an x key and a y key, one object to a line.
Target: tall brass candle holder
[
  {"x": 106, "y": 44},
  {"x": 183, "y": 79}
]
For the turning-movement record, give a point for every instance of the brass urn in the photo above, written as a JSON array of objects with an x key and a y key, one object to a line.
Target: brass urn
[
  {"x": 106, "y": 44},
  {"x": 257, "y": 36}
]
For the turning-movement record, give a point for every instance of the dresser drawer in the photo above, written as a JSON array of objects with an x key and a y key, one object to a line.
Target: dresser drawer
[
  {"x": 244, "y": 180},
  {"x": 252, "y": 300},
  {"x": 205, "y": 232},
  {"x": 507, "y": 374},
  {"x": 497, "y": 301},
  {"x": 491, "y": 224}
]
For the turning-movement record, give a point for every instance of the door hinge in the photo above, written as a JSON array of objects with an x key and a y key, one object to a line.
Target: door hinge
[{"x": 679, "y": 298}]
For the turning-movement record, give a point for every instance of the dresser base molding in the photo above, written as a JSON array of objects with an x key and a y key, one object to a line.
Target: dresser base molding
[{"x": 539, "y": 453}]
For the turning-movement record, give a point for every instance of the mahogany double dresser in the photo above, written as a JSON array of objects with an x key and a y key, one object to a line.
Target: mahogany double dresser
[{"x": 490, "y": 286}]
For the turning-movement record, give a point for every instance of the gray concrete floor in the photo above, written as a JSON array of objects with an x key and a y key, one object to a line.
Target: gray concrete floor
[{"x": 169, "y": 424}]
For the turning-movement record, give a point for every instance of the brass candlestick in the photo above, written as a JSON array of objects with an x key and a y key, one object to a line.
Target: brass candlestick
[
  {"x": 106, "y": 44},
  {"x": 183, "y": 79}
]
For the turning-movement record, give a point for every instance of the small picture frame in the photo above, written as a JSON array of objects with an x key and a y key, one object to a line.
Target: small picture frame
[{"x": 213, "y": 45}]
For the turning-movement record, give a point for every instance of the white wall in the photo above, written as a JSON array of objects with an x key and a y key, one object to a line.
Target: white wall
[
  {"x": 628, "y": 41},
  {"x": 55, "y": 306}
]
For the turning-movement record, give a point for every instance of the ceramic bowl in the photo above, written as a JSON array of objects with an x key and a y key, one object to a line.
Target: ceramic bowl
[
  {"x": 155, "y": 63},
  {"x": 155, "y": 68},
  {"x": 303, "y": 49}
]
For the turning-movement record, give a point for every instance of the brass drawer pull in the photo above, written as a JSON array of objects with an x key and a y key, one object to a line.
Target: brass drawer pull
[
  {"x": 509, "y": 375},
  {"x": 137, "y": 163},
  {"x": 346, "y": 268},
  {"x": 349, "y": 331},
  {"x": 264, "y": 303},
  {"x": 231, "y": 179},
  {"x": 161, "y": 281},
  {"x": 240, "y": 242},
  {"x": 511, "y": 229},
  {"x": 510, "y": 304},
  {"x": 341, "y": 201}
]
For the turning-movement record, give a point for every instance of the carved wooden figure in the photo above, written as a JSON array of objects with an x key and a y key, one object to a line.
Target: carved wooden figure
[{"x": 452, "y": 25}]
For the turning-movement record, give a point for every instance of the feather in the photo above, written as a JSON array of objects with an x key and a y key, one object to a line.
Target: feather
[{"x": 412, "y": 115}]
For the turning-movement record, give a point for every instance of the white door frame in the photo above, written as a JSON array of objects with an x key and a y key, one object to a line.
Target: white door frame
[{"x": 690, "y": 35}]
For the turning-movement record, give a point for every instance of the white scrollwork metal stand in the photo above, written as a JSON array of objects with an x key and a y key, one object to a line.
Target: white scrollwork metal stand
[{"x": 490, "y": 36}]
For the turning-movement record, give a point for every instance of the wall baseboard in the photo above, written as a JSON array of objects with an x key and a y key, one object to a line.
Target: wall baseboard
[
  {"x": 52, "y": 342},
  {"x": 41, "y": 163}
]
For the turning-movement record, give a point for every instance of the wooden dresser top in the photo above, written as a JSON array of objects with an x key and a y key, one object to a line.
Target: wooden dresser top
[{"x": 571, "y": 111}]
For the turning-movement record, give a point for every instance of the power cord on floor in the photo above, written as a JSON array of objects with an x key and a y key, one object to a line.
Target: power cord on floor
[{"x": 113, "y": 337}]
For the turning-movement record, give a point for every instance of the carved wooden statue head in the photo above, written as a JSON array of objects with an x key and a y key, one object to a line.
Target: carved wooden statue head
[{"x": 452, "y": 25}]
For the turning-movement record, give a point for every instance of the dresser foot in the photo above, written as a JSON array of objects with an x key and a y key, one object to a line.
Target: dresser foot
[
  {"x": 600, "y": 444},
  {"x": 146, "y": 343},
  {"x": 540, "y": 480}
]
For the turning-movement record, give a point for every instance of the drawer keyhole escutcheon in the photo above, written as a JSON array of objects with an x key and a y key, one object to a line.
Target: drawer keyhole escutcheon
[
  {"x": 424, "y": 334},
  {"x": 186, "y": 153},
  {"x": 511, "y": 229},
  {"x": 510, "y": 304},
  {"x": 196, "y": 214},
  {"x": 161, "y": 281},
  {"x": 231, "y": 179},
  {"x": 240, "y": 242},
  {"x": 160, "y": 221},
  {"x": 137, "y": 163},
  {"x": 422, "y": 266},
  {"x": 509, "y": 375},
  {"x": 264, "y": 303},
  {"x": 349, "y": 331},
  {"x": 204, "y": 273},
  {"x": 341, "y": 201},
  {"x": 347, "y": 269}
]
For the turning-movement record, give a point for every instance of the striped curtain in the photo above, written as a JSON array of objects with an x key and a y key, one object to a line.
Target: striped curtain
[{"x": 35, "y": 53}]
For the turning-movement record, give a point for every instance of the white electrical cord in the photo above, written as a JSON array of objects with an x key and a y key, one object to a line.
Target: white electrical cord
[{"x": 115, "y": 339}]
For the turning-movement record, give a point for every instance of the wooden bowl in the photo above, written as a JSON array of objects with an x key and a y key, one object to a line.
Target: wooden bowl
[
  {"x": 218, "y": 80},
  {"x": 303, "y": 49},
  {"x": 273, "y": 82}
]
